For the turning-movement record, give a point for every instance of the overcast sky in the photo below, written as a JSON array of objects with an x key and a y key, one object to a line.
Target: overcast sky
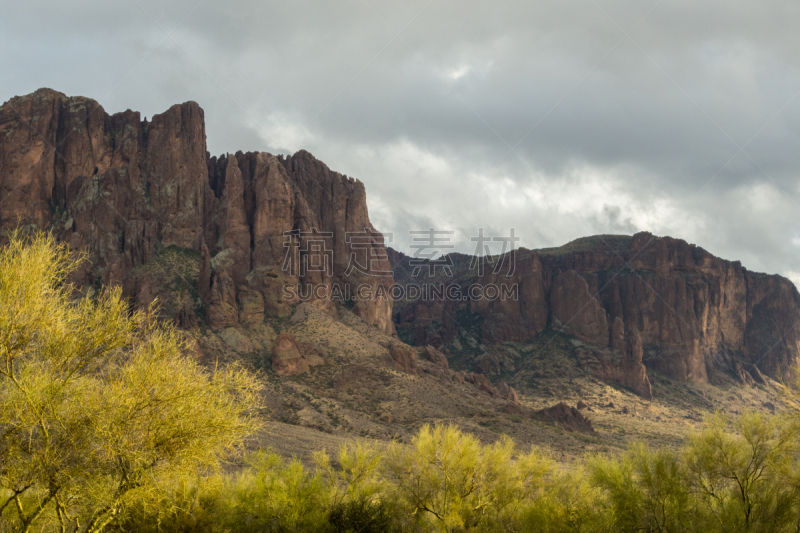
[{"x": 558, "y": 119}]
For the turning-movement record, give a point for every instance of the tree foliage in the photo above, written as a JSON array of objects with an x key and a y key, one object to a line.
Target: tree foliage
[
  {"x": 450, "y": 479},
  {"x": 738, "y": 475},
  {"x": 98, "y": 404}
]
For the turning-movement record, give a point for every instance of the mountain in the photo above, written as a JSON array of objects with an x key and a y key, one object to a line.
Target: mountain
[
  {"x": 635, "y": 304},
  {"x": 208, "y": 236},
  {"x": 272, "y": 261}
]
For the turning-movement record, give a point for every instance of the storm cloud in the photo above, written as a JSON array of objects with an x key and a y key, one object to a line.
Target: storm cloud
[{"x": 558, "y": 119}]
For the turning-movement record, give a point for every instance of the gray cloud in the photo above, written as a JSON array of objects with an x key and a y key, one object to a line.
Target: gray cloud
[{"x": 559, "y": 119}]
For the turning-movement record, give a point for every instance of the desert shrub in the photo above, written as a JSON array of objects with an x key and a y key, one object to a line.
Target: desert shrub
[
  {"x": 728, "y": 477},
  {"x": 276, "y": 495},
  {"x": 358, "y": 501},
  {"x": 200, "y": 505},
  {"x": 362, "y": 516}
]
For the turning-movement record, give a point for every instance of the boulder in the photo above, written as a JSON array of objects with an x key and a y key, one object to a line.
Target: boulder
[
  {"x": 236, "y": 340},
  {"x": 504, "y": 390},
  {"x": 251, "y": 306},
  {"x": 436, "y": 357},
  {"x": 222, "y": 311},
  {"x": 566, "y": 417},
  {"x": 405, "y": 357},
  {"x": 313, "y": 353},
  {"x": 484, "y": 385},
  {"x": 288, "y": 358}
]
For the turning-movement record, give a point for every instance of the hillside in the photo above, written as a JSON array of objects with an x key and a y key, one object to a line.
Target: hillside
[{"x": 259, "y": 258}]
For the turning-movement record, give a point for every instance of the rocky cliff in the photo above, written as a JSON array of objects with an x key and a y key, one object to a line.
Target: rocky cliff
[
  {"x": 218, "y": 240},
  {"x": 632, "y": 304},
  {"x": 215, "y": 239}
]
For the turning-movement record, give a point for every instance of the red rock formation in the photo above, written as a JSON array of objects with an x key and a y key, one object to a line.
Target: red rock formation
[
  {"x": 566, "y": 417},
  {"x": 575, "y": 311},
  {"x": 436, "y": 357},
  {"x": 504, "y": 390},
  {"x": 484, "y": 385},
  {"x": 125, "y": 189},
  {"x": 405, "y": 356},
  {"x": 289, "y": 357},
  {"x": 635, "y": 302}
]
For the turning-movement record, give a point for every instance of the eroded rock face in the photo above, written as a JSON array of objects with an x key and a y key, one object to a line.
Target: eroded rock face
[
  {"x": 436, "y": 357},
  {"x": 126, "y": 189},
  {"x": 575, "y": 311},
  {"x": 405, "y": 356},
  {"x": 566, "y": 417},
  {"x": 290, "y": 357},
  {"x": 636, "y": 303},
  {"x": 620, "y": 363},
  {"x": 484, "y": 385},
  {"x": 504, "y": 390}
]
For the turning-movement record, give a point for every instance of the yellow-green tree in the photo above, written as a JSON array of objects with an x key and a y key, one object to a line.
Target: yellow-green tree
[
  {"x": 448, "y": 478},
  {"x": 644, "y": 489},
  {"x": 743, "y": 478},
  {"x": 98, "y": 404}
]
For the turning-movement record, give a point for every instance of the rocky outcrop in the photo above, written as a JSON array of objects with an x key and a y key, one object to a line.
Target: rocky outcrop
[
  {"x": 252, "y": 224},
  {"x": 564, "y": 416},
  {"x": 404, "y": 356},
  {"x": 575, "y": 311},
  {"x": 484, "y": 385},
  {"x": 506, "y": 391},
  {"x": 621, "y": 363},
  {"x": 290, "y": 357},
  {"x": 436, "y": 357},
  {"x": 221, "y": 306},
  {"x": 633, "y": 303},
  {"x": 227, "y": 241}
]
